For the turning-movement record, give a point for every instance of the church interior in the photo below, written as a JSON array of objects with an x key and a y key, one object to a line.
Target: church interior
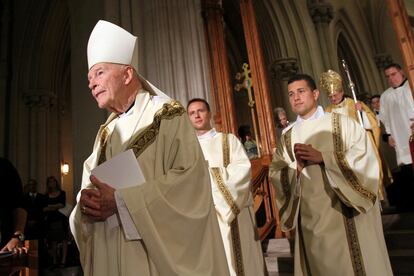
[{"x": 236, "y": 54}]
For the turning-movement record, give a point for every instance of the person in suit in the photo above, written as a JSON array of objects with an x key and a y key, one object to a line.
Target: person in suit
[{"x": 33, "y": 203}]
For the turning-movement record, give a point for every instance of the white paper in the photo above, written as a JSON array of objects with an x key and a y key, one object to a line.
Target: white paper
[{"x": 121, "y": 171}]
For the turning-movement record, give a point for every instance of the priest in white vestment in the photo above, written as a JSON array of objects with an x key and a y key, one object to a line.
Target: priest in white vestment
[
  {"x": 165, "y": 224},
  {"x": 230, "y": 183},
  {"x": 326, "y": 177},
  {"x": 397, "y": 113}
]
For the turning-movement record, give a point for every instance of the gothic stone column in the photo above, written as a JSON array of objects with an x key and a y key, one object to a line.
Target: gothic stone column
[
  {"x": 43, "y": 136},
  {"x": 322, "y": 14},
  {"x": 382, "y": 60}
]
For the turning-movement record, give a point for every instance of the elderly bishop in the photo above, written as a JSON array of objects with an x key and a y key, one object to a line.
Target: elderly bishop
[{"x": 165, "y": 225}]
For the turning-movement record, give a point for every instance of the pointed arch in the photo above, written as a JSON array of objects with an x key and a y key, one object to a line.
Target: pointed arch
[
  {"x": 355, "y": 44},
  {"x": 40, "y": 129},
  {"x": 344, "y": 53}
]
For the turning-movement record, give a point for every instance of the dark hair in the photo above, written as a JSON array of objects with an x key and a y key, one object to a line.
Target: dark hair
[
  {"x": 393, "y": 65},
  {"x": 199, "y": 100},
  {"x": 243, "y": 131},
  {"x": 56, "y": 182},
  {"x": 309, "y": 80},
  {"x": 374, "y": 96}
]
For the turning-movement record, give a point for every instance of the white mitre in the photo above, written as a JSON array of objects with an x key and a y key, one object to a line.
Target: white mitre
[{"x": 110, "y": 43}]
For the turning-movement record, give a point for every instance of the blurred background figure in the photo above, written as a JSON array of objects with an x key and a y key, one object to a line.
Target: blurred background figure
[
  {"x": 12, "y": 215},
  {"x": 375, "y": 104},
  {"x": 56, "y": 223},
  {"x": 248, "y": 142},
  {"x": 34, "y": 203},
  {"x": 281, "y": 121}
]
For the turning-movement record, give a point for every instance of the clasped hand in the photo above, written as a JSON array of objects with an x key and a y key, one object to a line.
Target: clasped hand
[
  {"x": 98, "y": 204},
  {"x": 14, "y": 246},
  {"x": 306, "y": 155}
]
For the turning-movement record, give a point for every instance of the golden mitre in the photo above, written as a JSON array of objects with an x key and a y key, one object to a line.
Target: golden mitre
[{"x": 330, "y": 82}]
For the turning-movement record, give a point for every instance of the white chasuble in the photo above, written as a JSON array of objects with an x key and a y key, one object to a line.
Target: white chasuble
[
  {"x": 230, "y": 183},
  {"x": 172, "y": 211},
  {"x": 333, "y": 206}
]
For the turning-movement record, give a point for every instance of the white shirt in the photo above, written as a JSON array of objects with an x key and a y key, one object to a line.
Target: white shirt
[{"x": 318, "y": 114}]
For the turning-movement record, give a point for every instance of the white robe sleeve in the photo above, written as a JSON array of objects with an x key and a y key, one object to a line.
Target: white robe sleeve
[
  {"x": 236, "y": 178},
  {"x": 284, "y": 177}
]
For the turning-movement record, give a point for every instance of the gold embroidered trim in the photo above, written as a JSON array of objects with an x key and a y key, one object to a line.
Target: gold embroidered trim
[
  {"x": 234, "y": 226},
  {"x": 148, "y": 135},
  {"x": 343, "y": 164},
  {"x": 284, "y": 174},
  {"x": 226, "y": 150},
  {"x": 103, "y": 140},
  {"x": 353, "y": 242},
  {"x": 291, "y": 219},
  {"x": 224, "y": 191},
  {"x": 237, "y": 251},
  {"x": 284, "y": 179},
  {"x": 103, "y": 137},
  {"x": 288, "y": 143}
]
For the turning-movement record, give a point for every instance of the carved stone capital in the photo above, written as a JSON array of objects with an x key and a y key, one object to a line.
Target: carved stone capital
[
  {"x": 321, "y": 12},
  {"x": 284, "y": 68},
  {"x": 382, "y": 60},
  {"x": 41, "y": 100}
]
